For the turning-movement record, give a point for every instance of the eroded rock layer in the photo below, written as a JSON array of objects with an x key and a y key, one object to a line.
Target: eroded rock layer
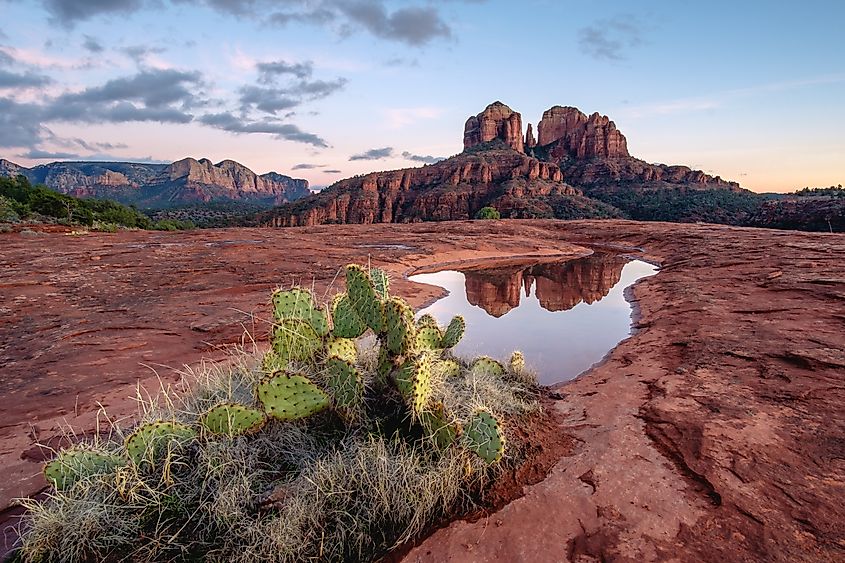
[{"x": 455, "y": 188}]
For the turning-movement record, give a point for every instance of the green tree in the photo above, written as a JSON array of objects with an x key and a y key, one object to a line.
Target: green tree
[{"x": 488, "y": 213}]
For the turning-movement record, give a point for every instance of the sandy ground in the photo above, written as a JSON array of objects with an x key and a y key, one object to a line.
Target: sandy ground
[{"x": 717, "y": 432}]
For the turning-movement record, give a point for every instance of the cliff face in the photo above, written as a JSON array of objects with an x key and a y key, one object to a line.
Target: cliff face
[
  {"x": 592, "y": 151},
  {"x": 455, "y": 188},
  {"x": 186, "y": 181},
  {"x": 566, "y": 131},
  {"x": 497, "y": 121}
]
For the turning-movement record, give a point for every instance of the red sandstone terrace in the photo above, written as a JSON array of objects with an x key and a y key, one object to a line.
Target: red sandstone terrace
[{"x": 715, "y": 433}]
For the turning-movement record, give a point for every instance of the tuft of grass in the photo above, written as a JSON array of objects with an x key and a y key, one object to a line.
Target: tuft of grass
[{"x": 314, "y": 489}]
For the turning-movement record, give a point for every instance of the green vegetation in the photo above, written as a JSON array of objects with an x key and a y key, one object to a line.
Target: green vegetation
[
  {"x": 356, "y": 431},
  {"x": 683, "y": 205},
  {"x": 833, "y": 191},
  {"x": 21, "y": 201},
  {"x": 488, "y": 213}
]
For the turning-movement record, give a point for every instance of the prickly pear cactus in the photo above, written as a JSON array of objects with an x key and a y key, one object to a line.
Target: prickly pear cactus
[
  {"x": 295, "y": 339},
  {"x": 290, "y": 397},
  {"x": 232, "y": 419},
  {"x": 78, "y": 463},
  {"x": 363, "y": 297},
  {"x": 517, "y": 362},
  {"x": 414, "y": 382},
  {"x": 381, "y": 283},
  {"x": 400, "y": 335},
  {"x": 487, "y": 366},
  {"x": 448, "y": 368},
  {"x": 345, "y": 383},
  {"x": 454, "y": 332},
  {"x": 347, "y": 322},
  {"x": 438, "y": 427},
  {"x": 427, "y": 320},
  {"x": 342, "y": 348},
  {"x": 385, "y": 363},
  {"x": 483, "y": 435},
  {"x": 298, "y": 303},
  {"x": 151, "y": 441},
  {"x": 428, "y": 338}
]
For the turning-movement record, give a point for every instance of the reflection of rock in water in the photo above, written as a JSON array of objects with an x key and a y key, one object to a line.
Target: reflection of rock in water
[
  {"x": 558, "y": 286},
  {"x": 495, "y": 291}
]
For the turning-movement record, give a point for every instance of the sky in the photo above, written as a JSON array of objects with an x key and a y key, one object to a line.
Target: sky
[{"x": 752, "y": 91}]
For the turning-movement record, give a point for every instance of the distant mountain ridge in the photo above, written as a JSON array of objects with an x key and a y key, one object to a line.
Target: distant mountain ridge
[{"x": 159, "y": 186}]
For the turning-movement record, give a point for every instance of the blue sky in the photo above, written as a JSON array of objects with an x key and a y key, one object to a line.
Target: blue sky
[{"x": 751, "y": 91}]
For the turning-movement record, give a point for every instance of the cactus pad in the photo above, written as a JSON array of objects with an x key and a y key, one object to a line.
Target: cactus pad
[
  {"x": 438, "y": 427},
  {"x": 347, "y": 322},
  {"x": 484, "y": 436},
  {"x": 399, "y": 325},
  {"x": 427, "y": 320},
  {"x": 290, "y": 397},
  {"x": 345, "y": 383},
  {"x": 385, "y": 363},
  {"x": 454, "y": 332},
  {"x": 149, "y": 441},
  {"x": 487, "y": 366},
  {"x": 77, "y": 463},
  {"x": 363, "y": 297},
  {"x": 298, "y": 303},
  {"x": 342, "y": 348},
  {"x": 414, "y": 382},
  {"x": 295, "y": 339},
  {"x": 381, "y": 283},
  {"x": 232, "y": 419},
  {"x": 449, "y": 368},
  {"x": 428, "y": 338}
]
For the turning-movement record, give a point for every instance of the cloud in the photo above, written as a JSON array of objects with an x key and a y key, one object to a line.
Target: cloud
[
  {"x": 67, "y": 12},
  {"x": 419, "y": 158},
  {"x": 268, "y": 72},
  {"x": 20, "y": 123},
  {"x": 332, "y": 171},
  {"x": 412, "y": 25},
  {"x": 6, "y": 59},
  {"x": 155, "y": 88},
  {"x": 274, "y": 100},
  {"x": 306, "y": 166},
  {"x": 39, "y": 154},
  {"x": 287, "y": 131},
  {"x": 25, "y": 80},
  {"x": 609, "y": 39},
  {"x": 415, "y": 26},
  {"x": 374, "y": 154},
  {"x": 91, "y": 44},
  {"x": 140, "y": 53}
]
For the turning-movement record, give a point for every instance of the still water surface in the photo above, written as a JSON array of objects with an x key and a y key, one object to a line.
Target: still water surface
[{"x": 564, "y": 316}]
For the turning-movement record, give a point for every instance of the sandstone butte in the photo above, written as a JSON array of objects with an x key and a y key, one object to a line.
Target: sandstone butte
[
  {"x": 519, "y": 175},
  {"x": 714, "y": 433}
]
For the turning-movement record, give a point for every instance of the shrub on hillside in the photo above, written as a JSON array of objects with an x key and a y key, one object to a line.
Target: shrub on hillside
[{"x": 488, "y": 213}]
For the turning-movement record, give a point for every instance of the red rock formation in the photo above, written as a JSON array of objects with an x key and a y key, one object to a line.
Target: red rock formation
[
  {"x": 530, "y": 141},
  {"x": 576, "y": 135},
  {"x": 455, "y": 188},
  {"x": 557, "y": 286},
  {"x": 497, "y": 291},
  {"x": 497, "y": 121}
]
